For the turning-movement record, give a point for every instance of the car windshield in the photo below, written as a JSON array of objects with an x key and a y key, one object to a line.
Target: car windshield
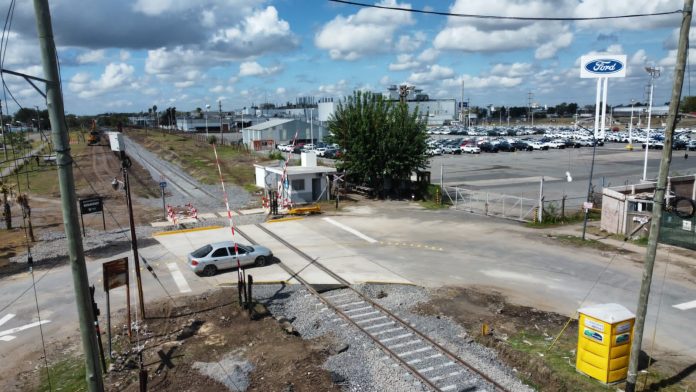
[{"x": 200, "y": 252}]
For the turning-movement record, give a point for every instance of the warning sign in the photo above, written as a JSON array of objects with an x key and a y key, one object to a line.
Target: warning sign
[{"x": 115, "y": 273}]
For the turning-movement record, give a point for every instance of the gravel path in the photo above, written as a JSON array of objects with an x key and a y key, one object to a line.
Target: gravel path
[{"x": 365, "y": 367}]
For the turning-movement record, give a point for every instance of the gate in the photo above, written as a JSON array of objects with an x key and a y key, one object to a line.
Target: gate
[{"x": 495, "y": 204}]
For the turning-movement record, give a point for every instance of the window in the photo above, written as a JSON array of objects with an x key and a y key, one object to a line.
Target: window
[
  {"x": 202, "y": 251},
  {"x": 240, "y": 249},
  {"x": 221, "y": 252},
  {"x": 298, "y": 185}
]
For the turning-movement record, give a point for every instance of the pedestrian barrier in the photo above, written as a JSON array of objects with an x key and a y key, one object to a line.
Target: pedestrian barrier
[
  {"x": 176, "y": 214},
  {"x": 489, "y": 203}
]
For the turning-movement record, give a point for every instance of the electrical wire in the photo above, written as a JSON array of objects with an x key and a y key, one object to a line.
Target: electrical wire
[
  {"x": 30, "y": 262},
  {"x": 500, "y": 17}
]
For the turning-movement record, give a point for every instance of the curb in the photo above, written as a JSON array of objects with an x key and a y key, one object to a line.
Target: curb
[{"x": 186, "y": 230}]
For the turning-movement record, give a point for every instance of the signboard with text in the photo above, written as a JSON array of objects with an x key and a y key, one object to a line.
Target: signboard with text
[
  {"x": 605, "y": 65},
  {"x": 91, "y": 205}
]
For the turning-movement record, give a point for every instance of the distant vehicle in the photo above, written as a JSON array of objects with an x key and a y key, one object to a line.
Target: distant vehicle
[
  {"x": 538, "y": 145},
  {"x": 691, "y": 146},
  {"x": 488, "y": 147},
  {"x": 209, "y": 259},
  {"x": 520, "y": 145},
  {"x": 655, "y": 145},
  {"x": 471, "y": 149},
  {"x": 321, "y": 151},
  {"x": 94, "y": 135},
  {"x": 679, "y": 145},
  {"x": 309, "y": 147}
]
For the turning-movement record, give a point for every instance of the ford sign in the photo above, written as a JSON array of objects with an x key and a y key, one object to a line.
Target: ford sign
[{"x": 603, "y": 66}]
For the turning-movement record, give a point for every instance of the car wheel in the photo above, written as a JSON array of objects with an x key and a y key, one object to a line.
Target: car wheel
[
  {"x": 261, "y": 261},
  {"x": 209, "y": 270}
]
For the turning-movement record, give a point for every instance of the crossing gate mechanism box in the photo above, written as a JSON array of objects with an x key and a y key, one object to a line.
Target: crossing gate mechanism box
[{"x": 605, "y": 333}]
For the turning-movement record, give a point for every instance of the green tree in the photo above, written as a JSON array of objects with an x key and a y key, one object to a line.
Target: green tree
[
  {"x": 688, "y": 104},
  {"x": 383, "y": 142}
]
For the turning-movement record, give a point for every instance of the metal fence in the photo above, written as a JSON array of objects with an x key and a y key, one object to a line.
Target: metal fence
[
  {"x": 495, "y": 204},
  {"x": 678, "y": 231}
]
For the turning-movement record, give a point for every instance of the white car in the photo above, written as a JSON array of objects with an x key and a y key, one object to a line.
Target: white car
[
  {"x": 320, "y": 151},
  {"x": 471, "y": 149},
  {"x": 309, "y": 147}
]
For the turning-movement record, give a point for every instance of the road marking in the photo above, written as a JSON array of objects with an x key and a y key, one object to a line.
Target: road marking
[
  {"x": 351, "y": 230},
  {"x": 685, "y": 305},
  {"x": 6, "y": 318},
  {"x": 179, "y": 278},
  {"x": 6, "y": 335}
]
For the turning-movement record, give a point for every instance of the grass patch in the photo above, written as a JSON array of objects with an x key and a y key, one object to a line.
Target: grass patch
[
  {"x": 197, "y": 157},
  {"x": 66, "y": 375},
  {"x": 589, "y": 243},
  {"x": 432, "y": 205}
]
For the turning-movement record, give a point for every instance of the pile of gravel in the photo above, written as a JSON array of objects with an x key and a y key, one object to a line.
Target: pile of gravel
[
  {"x": 232, "y": 370},
  {"x": 363, "y": 366}
]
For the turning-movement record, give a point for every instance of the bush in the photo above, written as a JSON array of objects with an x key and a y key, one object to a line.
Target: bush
[
  {"x": 211, "y": 139},
  {"x": 275, "y": 155}
]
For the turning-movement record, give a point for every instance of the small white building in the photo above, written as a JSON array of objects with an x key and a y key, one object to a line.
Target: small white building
[{"x": 307, "y": 183}]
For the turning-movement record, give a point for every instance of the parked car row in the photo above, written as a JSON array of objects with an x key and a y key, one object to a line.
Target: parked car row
[{"x": 494, "y": 145}]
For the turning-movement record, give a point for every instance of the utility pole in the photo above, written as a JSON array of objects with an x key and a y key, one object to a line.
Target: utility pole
[
  {"x": 2, "y": 128},
  {"x": 659, "y": 198},
  {"x": 530, "y": 111},
  {"x": 66, "y": 181}
]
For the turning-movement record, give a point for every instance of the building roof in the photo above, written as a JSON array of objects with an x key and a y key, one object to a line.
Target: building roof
[
  {"x": 299, "y": 169},
  {"x": 273, "y": 122}
]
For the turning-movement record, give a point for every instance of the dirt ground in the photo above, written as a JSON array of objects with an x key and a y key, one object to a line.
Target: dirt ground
[
  {"x": 95, "y": 168},
  {"x": 521, "y": 335}
]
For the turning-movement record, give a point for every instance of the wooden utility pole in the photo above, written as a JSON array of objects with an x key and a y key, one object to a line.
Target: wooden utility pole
[
  {"x": 659, "y": 197},
  {"x": 66, "y": 181}
]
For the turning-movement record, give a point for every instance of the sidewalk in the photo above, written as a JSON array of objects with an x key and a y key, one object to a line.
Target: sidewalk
[{"x": 682, "y": 255}]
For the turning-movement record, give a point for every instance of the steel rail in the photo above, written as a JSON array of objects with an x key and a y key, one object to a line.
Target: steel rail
[{"x": 368, "y": 300}]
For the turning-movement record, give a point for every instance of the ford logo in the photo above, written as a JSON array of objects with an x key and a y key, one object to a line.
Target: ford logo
[{"x": 604, "y": 66}]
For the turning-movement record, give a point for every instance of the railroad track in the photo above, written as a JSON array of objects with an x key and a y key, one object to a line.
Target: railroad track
[{"x": 434, "y": 365}]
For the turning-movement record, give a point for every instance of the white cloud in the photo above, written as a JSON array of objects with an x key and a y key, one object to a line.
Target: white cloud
[
  {"x": 384, "y": 81},
  {"x": 588, "y": 8},
  {"x": 429, "y": 55},
  {"x": 280, "y": 90},
  {"x": 208, "y": 18},
  {"x": 434, "y": 72},
  {"x": 403, "y": 62},
  {"x": 258, "y": 33},
  {"x": 336, "y": 89},
  {"x": 252, "y": 68},
  {"x": 124, "y": 55},
  {"x": 478, "y": 82},
  {"x": 115, "y": 76},
  {"x": 163, "y": 61},
  {"x": 410, "y": 43},
  {"x": 92, "y": 56},
  {"x": 512, "y": 70},
  {"x": 368, "y": 31}
]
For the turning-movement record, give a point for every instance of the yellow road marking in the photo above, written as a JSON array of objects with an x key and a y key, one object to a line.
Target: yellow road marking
[{"x": 187, "y": 230}]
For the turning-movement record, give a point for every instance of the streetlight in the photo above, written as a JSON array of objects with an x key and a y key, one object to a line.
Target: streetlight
[
  {"x": 630, "y": 128},
  {"x": 654, "y": 73},
  {"x": 207, "y": 107}
]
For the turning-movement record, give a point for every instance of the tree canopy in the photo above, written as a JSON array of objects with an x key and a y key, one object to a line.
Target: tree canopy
[{"x": 383, "y": 142}]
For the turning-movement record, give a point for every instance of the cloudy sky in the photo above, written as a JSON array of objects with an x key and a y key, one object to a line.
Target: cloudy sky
[{"x": 131, "y": 54}]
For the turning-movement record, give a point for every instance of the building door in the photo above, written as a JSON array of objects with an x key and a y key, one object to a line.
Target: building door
[{"x": 316, "y": 189}]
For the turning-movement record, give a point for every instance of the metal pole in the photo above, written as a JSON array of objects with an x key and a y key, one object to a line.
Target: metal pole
[
  {"x": 442, "y": 179},
  {"x": 66, "y": 181},
  {"x": 658, "y": 202},
  {"x": 597, "y": 98},
  {"x": 108, "y": 323},
  {"x": 540, "y": 215},
  {"x": 605, "y": 84},
  {"x": 589, "y": 188},
  {"x": 222, "y": 142},
  {"x": 2, "y": 129},
  {"x": 164, "y": 203},
  {"x": 630, "y": 128},
  {"x": 134, "y": 242},
  {"x": 647, "y": 135}
]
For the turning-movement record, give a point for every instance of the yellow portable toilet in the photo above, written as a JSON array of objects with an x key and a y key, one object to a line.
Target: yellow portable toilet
[{"x": 605, "y": 333}]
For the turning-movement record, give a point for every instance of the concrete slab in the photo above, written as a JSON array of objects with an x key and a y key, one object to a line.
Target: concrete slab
[
  {"x": 161, "y": 224},
  {"x": 207, "y": 215},
  {"x": 253, "y": 211},
  {"x": 341, "y": 259}
]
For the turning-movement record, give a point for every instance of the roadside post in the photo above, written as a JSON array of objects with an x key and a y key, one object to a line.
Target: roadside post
[
  {"x": 95, "y": 310},
  {"x": 116, "y": 275},
  {"x": 163, "y": 184},
  {"x": 89, "y": 206}
]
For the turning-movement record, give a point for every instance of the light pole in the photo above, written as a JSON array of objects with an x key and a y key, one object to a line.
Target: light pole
[
  {"x": 630, "y": 128},
  {"x": 207, "y": 108},
  {"x": 654, "y": 73}
]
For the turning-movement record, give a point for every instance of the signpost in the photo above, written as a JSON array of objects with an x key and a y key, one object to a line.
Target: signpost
[
  {"x": 90, "y": 206},
  {"x": 116, "y": 275},
  {"x": 602, "y": 67}
]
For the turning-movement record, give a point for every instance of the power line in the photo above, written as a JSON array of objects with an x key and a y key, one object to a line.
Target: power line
[{"x": 499, "y": 17}]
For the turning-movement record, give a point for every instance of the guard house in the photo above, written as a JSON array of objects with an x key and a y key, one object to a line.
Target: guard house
[
  {"x": 626, "y": 208},
  {"x": 307, "y": 183}
]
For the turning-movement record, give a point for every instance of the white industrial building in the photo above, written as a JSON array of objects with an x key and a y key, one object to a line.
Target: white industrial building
[{"x": 266, "y": 135}]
